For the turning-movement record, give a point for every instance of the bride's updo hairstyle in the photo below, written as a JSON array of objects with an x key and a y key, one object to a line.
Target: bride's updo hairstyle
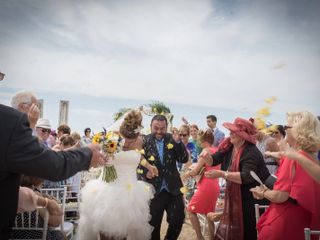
[{"x": 131, "y": 125}]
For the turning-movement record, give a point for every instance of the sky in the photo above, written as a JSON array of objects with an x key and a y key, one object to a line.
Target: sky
[{"x": 199, "y": 57}]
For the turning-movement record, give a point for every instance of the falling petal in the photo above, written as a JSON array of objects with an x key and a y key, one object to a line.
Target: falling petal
[
  {"x": 151, "y": 158},
  {"x": 142, "y": 151},
  {"x": 129, "y": 186},
  {"x": 143, "y": 162}
]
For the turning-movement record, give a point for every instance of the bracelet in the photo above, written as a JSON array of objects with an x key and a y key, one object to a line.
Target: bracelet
[
  {"x": 46, "y": 204},
  {"x": 264, "y": 192},
  {"x": 225, "y": 175}
]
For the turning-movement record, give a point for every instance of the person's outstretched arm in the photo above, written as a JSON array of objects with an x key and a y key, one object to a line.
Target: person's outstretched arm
[
  {"x": 26, "y": 156},
  {"x": 311, "y": 167}
]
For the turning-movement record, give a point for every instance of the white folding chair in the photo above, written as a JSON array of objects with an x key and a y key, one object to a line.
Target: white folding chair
[
  {"x": 308, "y": 232},
  {"x": 60, "y": 194},
  {"x": 257, "y": 209},
  {"x": 30, "y": 225}
]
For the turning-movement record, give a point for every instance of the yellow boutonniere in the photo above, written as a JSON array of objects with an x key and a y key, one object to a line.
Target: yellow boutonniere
[
  {"x": 184, "y": 190},
  {"x": 151, "y": 158},
  {"x": 169, "y": 145}
]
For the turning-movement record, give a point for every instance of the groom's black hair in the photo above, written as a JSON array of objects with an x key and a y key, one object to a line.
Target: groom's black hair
[{"x": 159, "y": 117}]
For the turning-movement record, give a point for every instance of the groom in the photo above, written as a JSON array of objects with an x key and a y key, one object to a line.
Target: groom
[{"x": 163, "y": 151}]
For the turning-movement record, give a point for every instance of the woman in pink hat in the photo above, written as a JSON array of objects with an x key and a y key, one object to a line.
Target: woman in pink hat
[{"x": 238, "y": 155}]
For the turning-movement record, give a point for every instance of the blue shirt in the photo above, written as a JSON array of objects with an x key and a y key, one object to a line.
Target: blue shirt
[{"x": 160, "y": 147}]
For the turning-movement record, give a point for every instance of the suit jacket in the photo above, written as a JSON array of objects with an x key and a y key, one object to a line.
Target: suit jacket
[
  {"x": 218, "y": 137},
  {"x": 173, "y": 152},
  {"x": 21, "y": 153}
]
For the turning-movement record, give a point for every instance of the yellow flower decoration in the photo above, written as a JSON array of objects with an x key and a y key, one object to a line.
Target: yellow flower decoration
[
  {"x": 169, "y": 145},
  {"x": 151, "y": 158},
  {"x": 143, "y": 162},
  {"x": 184, "y": 190}
]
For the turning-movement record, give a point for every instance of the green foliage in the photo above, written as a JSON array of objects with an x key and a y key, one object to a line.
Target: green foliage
[
  {"x": 120, "y": 113},
  {"x": 159, "y": 108}
]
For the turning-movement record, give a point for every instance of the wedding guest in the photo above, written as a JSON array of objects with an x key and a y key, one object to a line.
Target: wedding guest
[
  {"x": 238, "y": 155},
  {"x": 26, "y": 102},
  {"x": 86, "y": 139},
  {"x": 165, "y": 152},
  {"x": 217, "y": 134},
  {"x": 194, "y": 129},
  {"x": 43, "y": 130},
  {"x": 184, "y": 133},
  {"x": 63, "y": 129},
  {"x": 267, "y": 143},
  {"x": 295, "y": 195},
  {"x": 21, "y": 153},
  {"x": 204, "y": 199}
]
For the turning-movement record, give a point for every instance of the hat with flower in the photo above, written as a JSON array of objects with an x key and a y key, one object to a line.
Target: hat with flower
[{"x": 243, "y": 128}]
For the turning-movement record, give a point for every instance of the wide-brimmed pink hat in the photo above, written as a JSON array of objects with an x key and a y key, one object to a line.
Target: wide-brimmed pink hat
[{"x": 243, "y": 128}]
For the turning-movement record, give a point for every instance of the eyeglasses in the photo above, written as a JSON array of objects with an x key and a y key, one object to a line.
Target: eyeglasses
[
  {"x": 183, "y": 135},
  {"x": 45, "y": 130}
]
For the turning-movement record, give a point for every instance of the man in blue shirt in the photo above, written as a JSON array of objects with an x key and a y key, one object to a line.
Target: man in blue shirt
[
  {"x": 162, "y": 150},
  {"x": 217, "y": 134}
]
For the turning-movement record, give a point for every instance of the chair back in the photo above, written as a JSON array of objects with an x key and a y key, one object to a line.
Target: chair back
[
  {"x": 61, "y": 194},
  {"x": 308, "y": 232},
  {"x": 30, "y": 225}
]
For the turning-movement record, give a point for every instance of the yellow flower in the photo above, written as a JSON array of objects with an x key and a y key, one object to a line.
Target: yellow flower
[
  {"x": 96, "y": 138},
  {"x": 184, "y": 190},
  {"x": 151, "y": 158},
  {"x": 143, "y": 162},
  {"x": 154, "y": 110},
  {"x": 169, "y": 145}
]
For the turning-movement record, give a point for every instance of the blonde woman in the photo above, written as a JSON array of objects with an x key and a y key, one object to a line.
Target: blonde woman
[{"x": 295, "y": 195}]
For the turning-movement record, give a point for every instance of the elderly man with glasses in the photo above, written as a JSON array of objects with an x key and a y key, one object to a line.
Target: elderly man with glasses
[
  {"x": 43, "y": 130},
  {"x": 26, "y": 102}
]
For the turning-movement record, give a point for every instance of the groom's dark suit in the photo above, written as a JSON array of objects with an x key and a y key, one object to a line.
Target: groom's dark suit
[
  {"x": 170, "y": 198},
  {"x": 20, "y": 153}
]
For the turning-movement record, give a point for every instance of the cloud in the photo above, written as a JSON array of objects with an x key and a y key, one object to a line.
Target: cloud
[{"x": 205, "y": 53}]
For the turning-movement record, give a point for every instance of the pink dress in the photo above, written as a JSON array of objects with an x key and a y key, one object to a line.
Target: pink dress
[
  {"x": 287, "y": 220},
  {"x": 204, "y": 199}
]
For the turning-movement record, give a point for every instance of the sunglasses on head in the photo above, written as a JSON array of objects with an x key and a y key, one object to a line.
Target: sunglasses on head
[
  {"x": 183, "y": 135},
  {"x": 45, "y": 130},
  {"x": 286, "y": 127}
]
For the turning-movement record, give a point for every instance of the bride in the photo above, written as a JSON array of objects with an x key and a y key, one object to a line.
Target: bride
[{"x": 119, "y": 209}]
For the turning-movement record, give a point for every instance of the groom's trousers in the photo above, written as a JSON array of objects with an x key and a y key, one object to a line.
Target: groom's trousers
[{"x": 174, "y": 207}]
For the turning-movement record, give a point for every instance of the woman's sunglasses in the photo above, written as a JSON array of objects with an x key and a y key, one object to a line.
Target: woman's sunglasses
[{"x": 183, "y": 135}]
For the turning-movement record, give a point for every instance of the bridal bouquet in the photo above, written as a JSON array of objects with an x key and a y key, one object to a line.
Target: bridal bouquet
[{"x": 111, "y": 143}]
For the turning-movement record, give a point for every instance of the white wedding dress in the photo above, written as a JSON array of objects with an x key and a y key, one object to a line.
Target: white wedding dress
[{"x": 120, "y": 208}]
